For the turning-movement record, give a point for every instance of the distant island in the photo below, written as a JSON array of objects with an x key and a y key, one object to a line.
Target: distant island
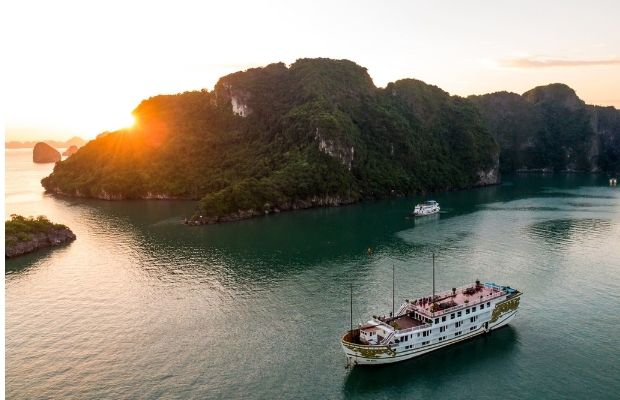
[
  {"x": 44, "y": 153},
  {"x": 319, "y": 133},
  {"x": 74, "y": 141},
  {"x": 27, "y": 234}
]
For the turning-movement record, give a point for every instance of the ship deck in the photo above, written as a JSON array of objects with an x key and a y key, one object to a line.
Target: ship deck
[
  {"x": 406, "y": 322},
  {"x": 448, "y": 302}
]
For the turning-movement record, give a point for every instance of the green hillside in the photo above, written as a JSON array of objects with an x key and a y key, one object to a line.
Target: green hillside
[{"x": 274, "y": 138}]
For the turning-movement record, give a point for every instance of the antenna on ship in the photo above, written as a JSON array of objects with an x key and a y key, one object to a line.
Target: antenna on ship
[
  {"x": 393, "y": 290},
  {"x": 433, "y": 305},
  {"x": 351, "y": 308}
]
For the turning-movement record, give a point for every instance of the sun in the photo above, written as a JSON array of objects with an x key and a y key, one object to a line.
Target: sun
[
  {"x": 125, "y": 121},
  {"x": 104, "y": 122}
]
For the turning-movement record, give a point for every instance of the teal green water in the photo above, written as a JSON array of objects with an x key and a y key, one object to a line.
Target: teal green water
[{"x": 140, "y": 306}]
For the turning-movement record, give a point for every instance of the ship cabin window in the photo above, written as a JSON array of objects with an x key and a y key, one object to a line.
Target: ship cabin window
[
  {"x": 425, "y": 343},
  {"x": 472, "y": 328},
  {"x": 467, "y": 311},
  {"x": 443, "y": 329},
  {"x": 458, "y": 324},
  {"x": 426, "y": 333},
  {"x": 443, "y": 319},
  {"x": 473, "y": 309},
  {"x": 436, "y": 320},
  {"x": 489, "y": 304},
  {"x": 482, "y": 306},
  {"x": 458, "y": 314},
  {"x": 473, "y": 319},
  {"x": 452, "y": 316},
  {"x": 457, "y": 333}
]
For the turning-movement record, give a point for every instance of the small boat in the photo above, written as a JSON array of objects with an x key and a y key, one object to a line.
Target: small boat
[{"x": 427, "y": 208}]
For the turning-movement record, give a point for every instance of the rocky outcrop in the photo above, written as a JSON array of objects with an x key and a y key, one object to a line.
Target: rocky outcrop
[
  {"x": 70, "y": 151},
  {"x": 44, "y": 153},
  {"x": 488, "y": 177},
  {"x": 104, "y": 195},
  {"x": 345, "y": 154},
  {"x": 54, "y": 237},
  {"x": 300, "y": 204}
]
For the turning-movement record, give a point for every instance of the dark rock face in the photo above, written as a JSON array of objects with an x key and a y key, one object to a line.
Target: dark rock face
[
  {"x": 549, "y": 128},
  {"x": 44, "y": 153},
  {"x": 71, "y": 150},
  {"x": 55, "y": 237}
]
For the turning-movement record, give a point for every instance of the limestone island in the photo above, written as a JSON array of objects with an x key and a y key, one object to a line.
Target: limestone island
[
  {"x": 27, "y": 234},
  {"x": 70, "y": 151},
  {"x": 44, "y": 153},
  {"x": 319, "y": 133}
]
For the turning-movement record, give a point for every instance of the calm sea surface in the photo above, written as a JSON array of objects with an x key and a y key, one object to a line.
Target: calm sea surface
[{"x": 141, "y": 306}]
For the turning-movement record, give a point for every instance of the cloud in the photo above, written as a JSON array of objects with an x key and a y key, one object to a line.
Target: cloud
[{"x": 537, "y": 62}]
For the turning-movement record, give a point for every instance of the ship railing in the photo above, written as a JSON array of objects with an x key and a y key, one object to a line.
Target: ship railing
[{"x": 402, "y": 310}]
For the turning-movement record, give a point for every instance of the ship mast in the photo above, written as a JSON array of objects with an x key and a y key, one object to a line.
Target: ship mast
[
  {"x": 351, "y": 308},
  {"x": 393, "y": 290},
  {"x": 433, "y": 305}
]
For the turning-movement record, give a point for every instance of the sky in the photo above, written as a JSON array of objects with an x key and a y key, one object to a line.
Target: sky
[{"x": 80, "y": 67}]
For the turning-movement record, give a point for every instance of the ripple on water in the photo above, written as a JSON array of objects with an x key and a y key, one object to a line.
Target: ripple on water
[{"x": 563, "y": 232}]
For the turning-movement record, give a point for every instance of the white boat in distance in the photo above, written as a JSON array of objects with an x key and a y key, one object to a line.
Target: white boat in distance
[{"x": 427, "y": 208}]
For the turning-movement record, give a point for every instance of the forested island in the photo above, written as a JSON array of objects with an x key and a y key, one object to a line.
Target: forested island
[
  {"x": 26, "y": 234},
  {"x": 319, "y": 133}
]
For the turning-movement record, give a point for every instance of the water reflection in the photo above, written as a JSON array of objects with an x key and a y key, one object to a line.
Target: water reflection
[
  {"x": 434, "y": 369},
  {"x": 31, "y": 261}
]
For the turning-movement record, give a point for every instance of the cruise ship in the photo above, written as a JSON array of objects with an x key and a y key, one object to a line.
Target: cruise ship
[{"x": 430, "y": 323}]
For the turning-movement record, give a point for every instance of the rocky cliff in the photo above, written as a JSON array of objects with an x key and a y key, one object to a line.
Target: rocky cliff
[
  {"x": 550, "y": 128},
  {"x": 54, "y": 237}
]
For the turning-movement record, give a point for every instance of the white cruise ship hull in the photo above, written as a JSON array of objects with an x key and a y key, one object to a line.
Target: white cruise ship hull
[{"x": 502, "y": 313}]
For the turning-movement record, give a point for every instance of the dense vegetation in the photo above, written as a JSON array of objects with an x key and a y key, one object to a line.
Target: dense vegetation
[
  {"x": 21, "y": 229},
  {"x": 550, "y": 128},
  {"x": 320, "y": 133},
  {"x": 317, "y": 132}
]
